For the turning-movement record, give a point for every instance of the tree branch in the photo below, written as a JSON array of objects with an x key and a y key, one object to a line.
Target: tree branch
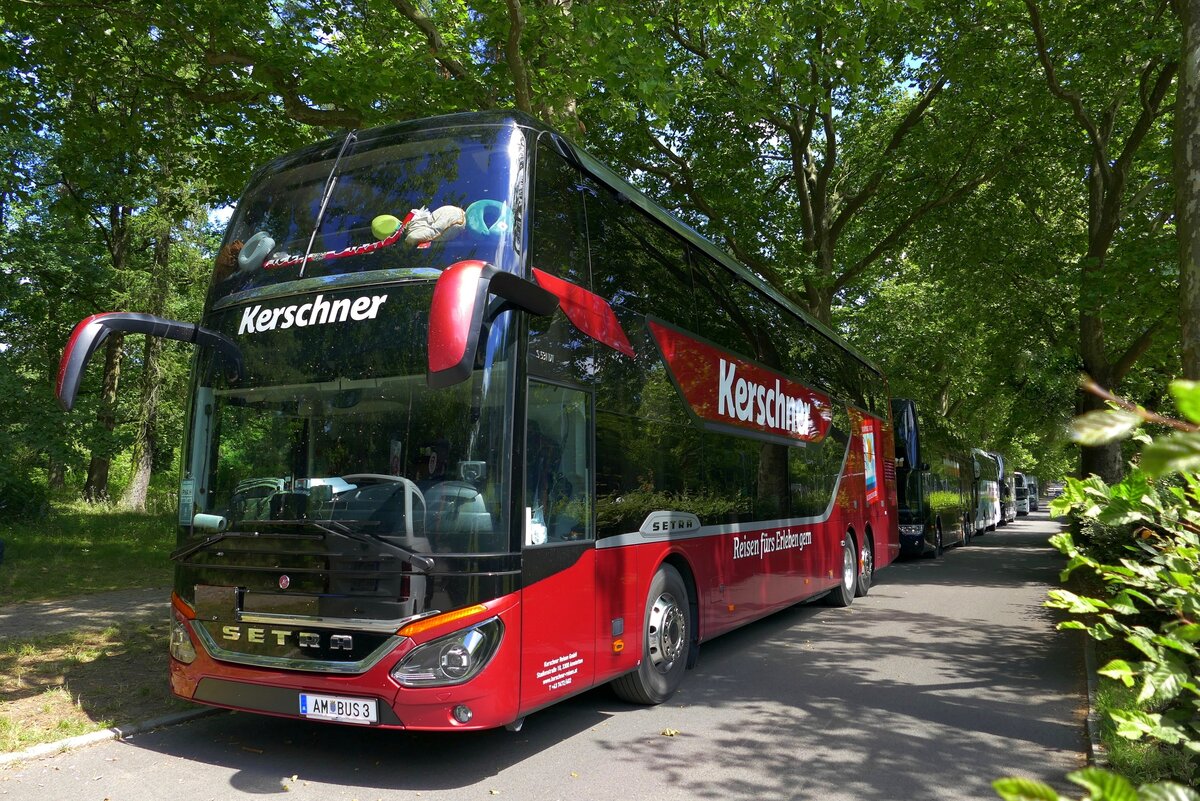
[
  {"x": 1151, "y": 101},
  {"x": 897, "y": 233},
  {"x": 1135, "y": 351},
  {"x": 1089, "y": 384},
  {"x": 910, "y": 120},
  {"x": 437, "y": 45},
  {"x": 1072, "y": 99},
  {"x": 282, "y": 84},
  {"x": 512, "y": 54}
]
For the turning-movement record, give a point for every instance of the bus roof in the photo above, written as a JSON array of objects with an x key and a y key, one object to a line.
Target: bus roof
[{"x": 605, "y": 175}]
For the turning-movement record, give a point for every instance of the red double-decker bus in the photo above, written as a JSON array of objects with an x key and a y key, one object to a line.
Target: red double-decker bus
[{"x": 475, "y": 426}]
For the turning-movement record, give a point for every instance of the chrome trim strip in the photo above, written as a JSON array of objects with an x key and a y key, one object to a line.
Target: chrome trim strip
[
  {"x": 636, "y": 537},
  {"x": 349, "y": 624},
  {"x": 285, "y": 663}
]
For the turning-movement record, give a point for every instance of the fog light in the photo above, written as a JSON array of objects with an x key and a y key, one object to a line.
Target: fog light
[
  {"x": 463, "y": 713},
  {"x": 181, "y": 642}
]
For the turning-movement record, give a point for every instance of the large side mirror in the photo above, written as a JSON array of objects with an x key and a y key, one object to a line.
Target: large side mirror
[
  {"x": 456, "y": 315},
  {"x": 91, "y": 333}
]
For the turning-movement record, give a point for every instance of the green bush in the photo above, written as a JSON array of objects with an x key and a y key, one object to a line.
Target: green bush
[
  {"x": 1143, "y": 543},
  {"x": 1101, "y": 785},
  {"x": 22, "y": 498}
]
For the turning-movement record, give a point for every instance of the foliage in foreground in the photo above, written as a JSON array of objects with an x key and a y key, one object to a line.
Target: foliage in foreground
[
  {"x": 1152, "y": 598},
  {"x": 1101, "y": 785}
]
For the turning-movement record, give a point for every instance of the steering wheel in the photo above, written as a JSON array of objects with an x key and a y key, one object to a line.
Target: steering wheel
[{"x": 410, "y": 490}]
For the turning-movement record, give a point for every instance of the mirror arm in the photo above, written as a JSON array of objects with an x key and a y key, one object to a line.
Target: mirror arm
[
  {"x": 461, "y": 314},
  {"x": 91, "y": 333}
]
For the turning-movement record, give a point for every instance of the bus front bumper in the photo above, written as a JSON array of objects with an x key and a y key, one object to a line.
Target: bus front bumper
[{"x": 487, "y": 701}]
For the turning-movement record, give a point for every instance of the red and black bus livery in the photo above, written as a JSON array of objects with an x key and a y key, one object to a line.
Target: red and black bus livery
[{"x": 475, "y": 426}]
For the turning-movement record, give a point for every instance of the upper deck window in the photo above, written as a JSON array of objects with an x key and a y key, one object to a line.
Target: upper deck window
[{"x": 411, "y": 201}]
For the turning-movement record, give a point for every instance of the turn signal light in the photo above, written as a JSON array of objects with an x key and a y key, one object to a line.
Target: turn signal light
[{"x": 425, "y": 624}]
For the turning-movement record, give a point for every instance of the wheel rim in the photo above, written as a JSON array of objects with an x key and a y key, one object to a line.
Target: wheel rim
[
  {"x": 848, "y": 573},
  {"x": 667, "y": 632},
  {"x": 868, "y": 564}
]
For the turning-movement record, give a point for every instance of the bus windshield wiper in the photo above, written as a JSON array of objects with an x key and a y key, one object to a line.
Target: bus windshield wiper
[
  {"x": 187, "y": 550},
  {"x": 338, "y": 528},
  {"x": 326, "y": 193}
]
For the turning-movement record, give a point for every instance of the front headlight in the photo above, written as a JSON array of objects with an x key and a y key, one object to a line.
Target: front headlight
[
  {"x": 912, "y": 531},
  {"x": 181, "y": 641},
  {"x": 450, "y": 660}
]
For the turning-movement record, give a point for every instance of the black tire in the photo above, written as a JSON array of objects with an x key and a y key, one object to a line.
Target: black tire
[
  {"x": 864, "y": 567},
  {"x": 938, "y": 547},
  {"x": 666, "y": 638},
  {"x": 968, "y": 531},
  {"x": 843, "y": 594}
]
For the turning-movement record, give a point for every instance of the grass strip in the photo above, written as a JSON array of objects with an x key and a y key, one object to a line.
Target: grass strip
[
  {"x": 80, "y": 548},
  {"x": 69, "y": 684}
]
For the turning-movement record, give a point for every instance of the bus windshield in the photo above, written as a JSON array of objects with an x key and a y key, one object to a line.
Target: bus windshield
[
  {"x": 385, "y": 201},
  {"x": 333, "y": 423},
  {"x": 911, "y": 496}
]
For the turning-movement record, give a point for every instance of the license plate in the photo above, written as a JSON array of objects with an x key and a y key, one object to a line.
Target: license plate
[{"x": 339, "y": 708}]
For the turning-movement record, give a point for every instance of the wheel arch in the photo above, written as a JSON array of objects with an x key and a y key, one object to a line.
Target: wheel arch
[{"x": 684, "y": 567}]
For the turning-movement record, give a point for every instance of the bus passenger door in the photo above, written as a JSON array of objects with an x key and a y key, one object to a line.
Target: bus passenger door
[
  {"x": 879, "y": 478},
  {"x": 558, "y": 549}
]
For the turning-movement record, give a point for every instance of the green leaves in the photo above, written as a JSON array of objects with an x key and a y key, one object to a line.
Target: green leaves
[
  {"x": 1151, "y": 596},
  {"x": 1103, "y": 426},
  {"x": 1164, "y": 681},
  {"x": 1167, "y": 792},
  {"x": 1076, "y": 605},
  {"x": 1017, "y": 789},
  {"x": 1120, "y": 670},
  {"x": 1133, "y": 724},
  {"x": 1187, "y": 399},
  {"x": 1177, "y": 453},
  {"x": 1104, "y": 786},
  {"x": 1101, "y": 785}
]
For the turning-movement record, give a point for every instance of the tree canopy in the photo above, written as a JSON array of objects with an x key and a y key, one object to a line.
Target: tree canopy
[{"x": 979, "y": 195}]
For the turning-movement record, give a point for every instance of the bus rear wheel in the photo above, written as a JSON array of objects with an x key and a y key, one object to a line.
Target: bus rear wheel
[
  {"x": 666, "y": 637},
  {"x": 865, "y": 567}
]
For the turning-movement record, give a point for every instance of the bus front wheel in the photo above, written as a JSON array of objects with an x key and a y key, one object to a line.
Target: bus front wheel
[
  {"x": 666, "y": 637},
  {"x": 843, "y": 594}
]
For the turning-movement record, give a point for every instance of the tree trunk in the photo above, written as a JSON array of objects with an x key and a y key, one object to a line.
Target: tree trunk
[
  {"x": 96, "y": 488},
  {"x": 134, "y": 497},
  {"x": 1187, "y": 186},
  {"x": 56, "y": 474},
  {"x": 1105, "y": 461},
  {"x": 820, "y": 303}
]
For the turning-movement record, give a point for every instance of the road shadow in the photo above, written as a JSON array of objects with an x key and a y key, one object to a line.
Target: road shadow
[{"x": 882, "y": 701}]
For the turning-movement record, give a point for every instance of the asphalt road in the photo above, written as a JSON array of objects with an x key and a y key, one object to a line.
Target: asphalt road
[{"x": 949, "y": 675}]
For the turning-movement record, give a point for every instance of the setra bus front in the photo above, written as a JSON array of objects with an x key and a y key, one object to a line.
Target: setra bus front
[{"x": 347, "y": 549}]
